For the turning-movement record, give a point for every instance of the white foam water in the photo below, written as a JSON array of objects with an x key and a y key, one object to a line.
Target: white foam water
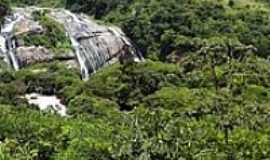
[{"x": 45, "y": 102}]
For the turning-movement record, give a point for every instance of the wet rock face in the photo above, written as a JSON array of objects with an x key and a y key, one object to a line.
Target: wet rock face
[
  {"x": 31, "y": 55},
  {"x": 94, "y": 45}
]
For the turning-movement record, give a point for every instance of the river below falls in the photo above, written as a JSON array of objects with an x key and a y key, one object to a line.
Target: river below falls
[{"x": 47, "y": 103}]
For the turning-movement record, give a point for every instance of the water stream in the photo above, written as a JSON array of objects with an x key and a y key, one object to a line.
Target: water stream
[
  {"x": 7, "y": 43},
  {"x": 94, "y": 45}
]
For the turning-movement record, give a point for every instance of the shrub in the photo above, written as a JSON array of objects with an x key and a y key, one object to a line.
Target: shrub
[{"x": 54, "y": 37}]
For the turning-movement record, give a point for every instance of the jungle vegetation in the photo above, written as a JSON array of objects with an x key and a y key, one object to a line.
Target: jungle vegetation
[{"x": 202, "y": 93}]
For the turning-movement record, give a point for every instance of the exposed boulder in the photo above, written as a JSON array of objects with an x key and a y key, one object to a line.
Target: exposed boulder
[
  {"x": 28, "y": 26},
  {"x": 32, "y": 55}
]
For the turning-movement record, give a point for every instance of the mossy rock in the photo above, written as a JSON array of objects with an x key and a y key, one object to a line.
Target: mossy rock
[{"x": 54, "y": 37}]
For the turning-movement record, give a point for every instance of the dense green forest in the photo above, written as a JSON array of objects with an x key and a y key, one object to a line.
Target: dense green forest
[{"x": 202, "y": 93}]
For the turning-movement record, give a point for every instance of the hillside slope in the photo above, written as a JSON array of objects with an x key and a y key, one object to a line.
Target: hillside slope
[
  {"x": 202, "y": 93},
  {"x": 170, "y": 29}
]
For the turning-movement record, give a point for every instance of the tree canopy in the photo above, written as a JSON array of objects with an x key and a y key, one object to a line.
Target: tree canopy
[{"x": 203, "y": 91}]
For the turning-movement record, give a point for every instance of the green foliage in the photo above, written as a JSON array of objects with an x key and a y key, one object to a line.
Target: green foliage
[
  {"x": 48, "y": 78},
  {"x": 166, "y": 28},
  {"x": 6, "y": 76},
  {"x": 105, "y": 82},
  {"x": 213, "y": 104},
  {"x": 170, "y": 116},
  {"x": 179, "y": 98},
  {"x": 127, "y": 85},
  {"x": 162, "y": 29},
  {"x": 97, "y": 8},
  {"x": 41, "y": 3},
  {"x": 54, "y": 37},
  {"x": 91, "y": 105},
  {"x": 45, "y": 137}
]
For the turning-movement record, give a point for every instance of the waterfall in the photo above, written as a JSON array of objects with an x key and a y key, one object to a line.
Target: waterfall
[
  {"x": 3, "y": 49},
  {"x": 7, "y": 43},
  {"x": 81, "y": 60},
  {"x": 87, "y": 51},
  {"x": 95, "y": 45}
]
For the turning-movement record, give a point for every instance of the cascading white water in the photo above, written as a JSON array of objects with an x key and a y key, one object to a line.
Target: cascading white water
[
  {"x": 84, "y": 69},
  {"x": 7, "y": 44},
  {"x": 3, "y": 49},
  {"x": 47, "y": 102},
  {"x": 74, "y": 24},
  {"x": 95, "y": 45}
]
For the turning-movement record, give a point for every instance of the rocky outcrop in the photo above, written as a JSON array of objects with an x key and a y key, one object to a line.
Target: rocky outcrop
[
  {"x": 37, "y": 54},
  {"x": 94, "y": 45},
  {"x": 32, "y": 55},
  {"x": 28, "y": 26}
]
